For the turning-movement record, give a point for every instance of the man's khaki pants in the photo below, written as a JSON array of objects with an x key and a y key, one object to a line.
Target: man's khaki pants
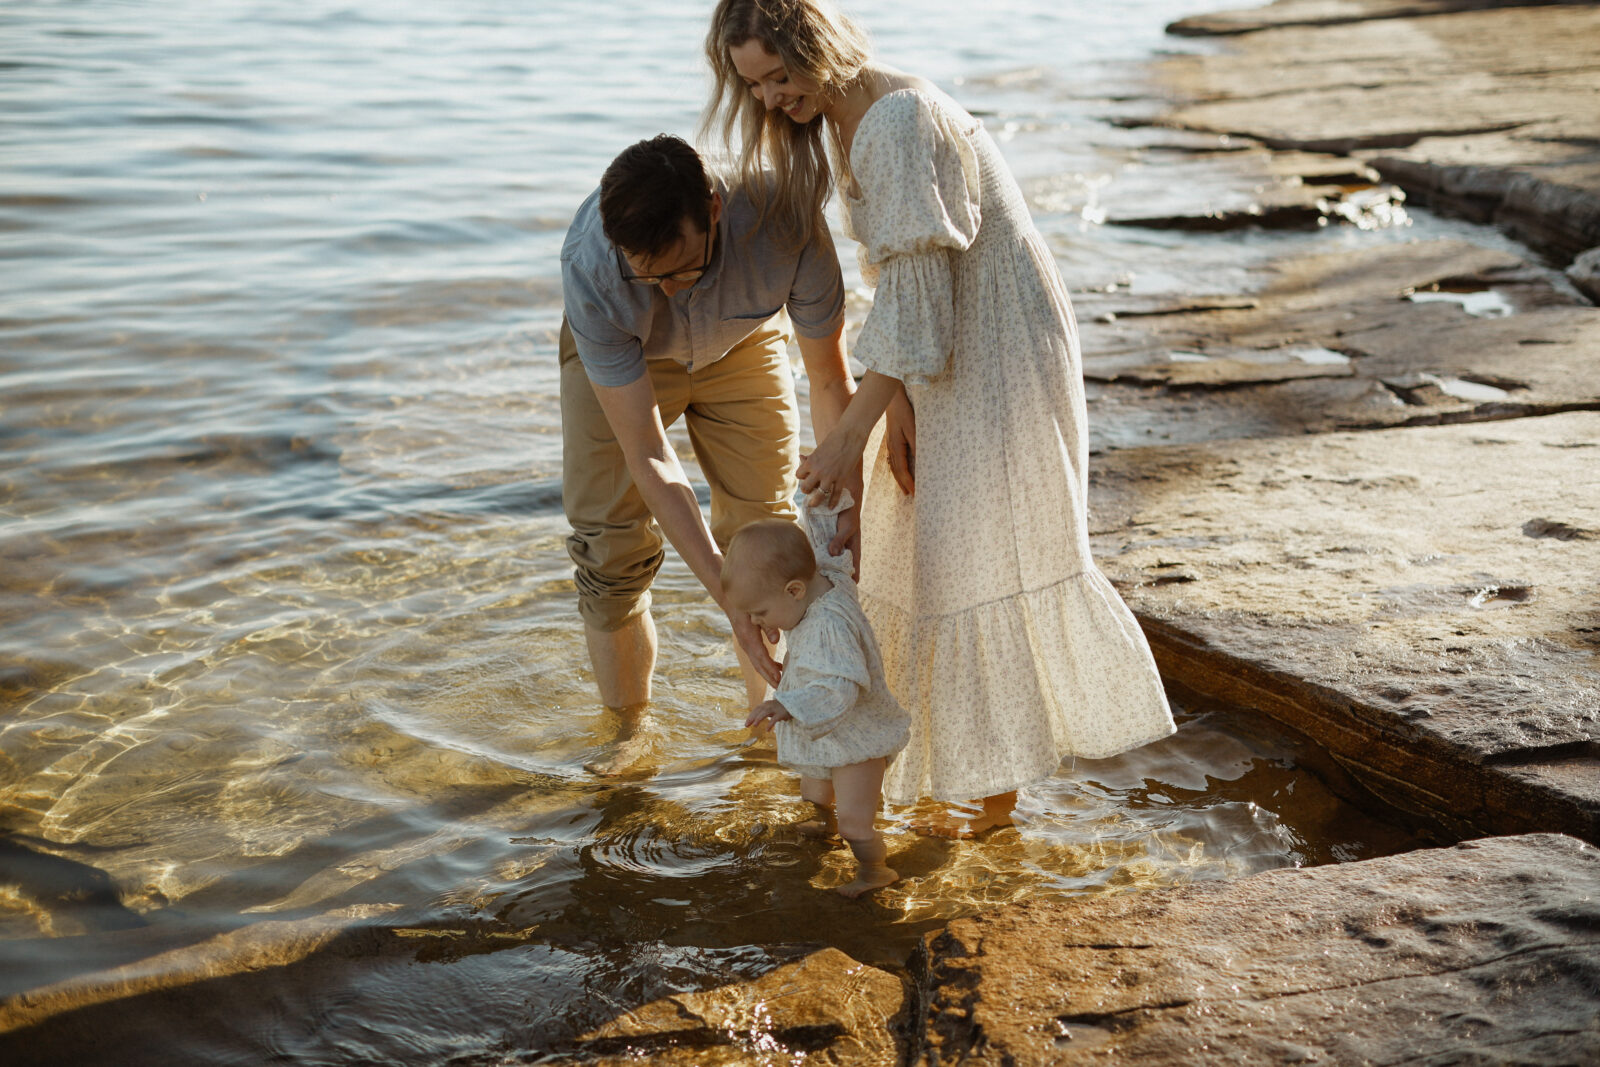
[{"x": 743, "y": 424}]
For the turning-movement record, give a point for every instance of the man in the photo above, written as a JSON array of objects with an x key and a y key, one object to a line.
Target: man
[{"x": 675, "y": 302}]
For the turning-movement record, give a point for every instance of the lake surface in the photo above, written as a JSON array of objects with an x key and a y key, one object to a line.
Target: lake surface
[{"x": 288, "y": 649}]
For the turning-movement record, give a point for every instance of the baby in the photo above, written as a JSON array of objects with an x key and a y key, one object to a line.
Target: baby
[{"x": 836, "y": 722}]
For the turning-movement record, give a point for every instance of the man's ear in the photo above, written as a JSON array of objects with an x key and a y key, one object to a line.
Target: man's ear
[{"x": 716, "y": 207}]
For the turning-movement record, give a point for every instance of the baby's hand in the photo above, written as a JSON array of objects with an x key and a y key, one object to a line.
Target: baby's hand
[{"x": 764, "y": 714}]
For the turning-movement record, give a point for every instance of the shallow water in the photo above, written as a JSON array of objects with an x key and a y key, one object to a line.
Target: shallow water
[{"x": 286, "y": 626}]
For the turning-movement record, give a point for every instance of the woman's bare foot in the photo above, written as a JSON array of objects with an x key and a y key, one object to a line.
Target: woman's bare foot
[
  {"x": 868, "y": 879},
  {"x": 957, "y": 828},
  {"x": 994, "y": 814}
]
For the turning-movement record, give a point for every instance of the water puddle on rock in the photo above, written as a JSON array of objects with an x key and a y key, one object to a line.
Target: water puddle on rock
[
  {"x": 1462, "y": 389},
  {"x": 1479, "y": 303}
]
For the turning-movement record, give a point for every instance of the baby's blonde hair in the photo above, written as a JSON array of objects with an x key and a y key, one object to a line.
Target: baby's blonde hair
[{"x": 773, "y": 549}]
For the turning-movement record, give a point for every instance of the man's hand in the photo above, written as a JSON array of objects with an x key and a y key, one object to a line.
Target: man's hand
[
  {"x": 764, "y": 714},
  {"x": 748, "y": 634}
]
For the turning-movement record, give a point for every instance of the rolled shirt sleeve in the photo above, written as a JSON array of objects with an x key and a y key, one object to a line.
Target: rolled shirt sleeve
[
  {"x": 816, "y": 300},
  {"x": 819, "y": 702},
  {"x": 611, "y": 356}
]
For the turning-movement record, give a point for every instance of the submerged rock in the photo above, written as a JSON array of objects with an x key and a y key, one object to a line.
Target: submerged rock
[
  {"x": 825, "y": 1008},
  {"x": 1488, "y": 952}
]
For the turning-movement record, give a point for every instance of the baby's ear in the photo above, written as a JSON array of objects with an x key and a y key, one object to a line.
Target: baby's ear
[{"x": 795, "y": 588}]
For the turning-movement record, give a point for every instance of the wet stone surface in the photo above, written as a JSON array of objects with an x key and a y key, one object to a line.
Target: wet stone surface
[
  {"x": 1420, "y": 601},
  {"x": 1395, "y": 335},
  {"x": 1221, "y": 190},
  {"x": 1394, "y": 593},
  {"x": 1482, "y": 953},
  {"x": 825, "y": 1008}
]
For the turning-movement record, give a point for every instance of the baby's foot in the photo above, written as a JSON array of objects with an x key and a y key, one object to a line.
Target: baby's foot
[
  {"x": 868, "y": 879},
  {"x": 961, "y": 828}
]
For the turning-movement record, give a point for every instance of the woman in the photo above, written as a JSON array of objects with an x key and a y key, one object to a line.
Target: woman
[{"x": 1000, "y": 636}]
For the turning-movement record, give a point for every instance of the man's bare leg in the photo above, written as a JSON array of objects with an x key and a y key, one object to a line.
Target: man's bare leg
[
  {"x": 755, "y": 686},
  {"x": 624, "y": 660}
]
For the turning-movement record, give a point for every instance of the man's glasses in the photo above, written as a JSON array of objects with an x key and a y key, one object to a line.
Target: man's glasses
[{"x": 682, "y": 277}]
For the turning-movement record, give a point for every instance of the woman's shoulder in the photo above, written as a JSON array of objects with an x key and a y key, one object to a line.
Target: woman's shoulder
[{"x": 909, "y": 103}]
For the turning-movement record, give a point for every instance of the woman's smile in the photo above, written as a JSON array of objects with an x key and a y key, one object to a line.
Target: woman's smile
[{"x": 772, "y": 83}]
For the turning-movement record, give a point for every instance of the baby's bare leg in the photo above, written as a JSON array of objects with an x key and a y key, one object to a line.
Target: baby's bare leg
[
  {"x": 820, "y": 792},
  {"x": 859, "y": 792}
]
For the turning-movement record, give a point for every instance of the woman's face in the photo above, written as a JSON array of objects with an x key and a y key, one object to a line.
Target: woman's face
[{"x": 795, "y": 95}]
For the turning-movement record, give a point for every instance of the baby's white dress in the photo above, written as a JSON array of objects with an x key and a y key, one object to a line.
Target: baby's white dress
[
  {"x": 833, "y": 679},
  {"x": 1000, "y": 636}
]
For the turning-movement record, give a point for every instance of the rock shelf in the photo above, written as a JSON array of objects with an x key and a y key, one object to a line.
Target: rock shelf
[
  {"x": 1351, "y": 462},
  {"x": 1486, "y": 952}
]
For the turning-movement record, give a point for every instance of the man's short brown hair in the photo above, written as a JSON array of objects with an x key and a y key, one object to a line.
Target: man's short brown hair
[{"x": 647, "y": 192}]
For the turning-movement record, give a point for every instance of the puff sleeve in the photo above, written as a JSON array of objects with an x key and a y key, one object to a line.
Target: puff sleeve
[{"x": 920, "y": 205}]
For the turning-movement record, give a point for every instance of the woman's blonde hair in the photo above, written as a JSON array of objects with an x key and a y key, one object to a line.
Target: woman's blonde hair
[{"x": 814, "y": 40}]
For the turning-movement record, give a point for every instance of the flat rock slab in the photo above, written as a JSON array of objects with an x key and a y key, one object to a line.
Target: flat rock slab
[
  {"x": 1394, "y": 335},
  {"x": 1422, "y": 602},
  {"x": 1223, "y": 190},
  {"x": 825, "y": 1008},
  {"x": 1334, "y": 13},
  {"x": 1417, "y": 97},
  {"x": 1488, "y": 952}
]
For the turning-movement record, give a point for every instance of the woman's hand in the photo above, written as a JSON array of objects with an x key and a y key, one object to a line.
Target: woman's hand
[
  {"x": 833, "y": 465},
  {"x": 900, "y": 436}
]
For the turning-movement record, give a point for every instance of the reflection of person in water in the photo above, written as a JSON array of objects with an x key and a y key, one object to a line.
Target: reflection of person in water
[
  {"x": 836, "y": 722},
  {"x": 674, "y": 307},
  {"x": 999, "y": 634}
]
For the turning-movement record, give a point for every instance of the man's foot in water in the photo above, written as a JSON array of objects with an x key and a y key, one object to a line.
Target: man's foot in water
[{"x": 625, "y": 753}]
